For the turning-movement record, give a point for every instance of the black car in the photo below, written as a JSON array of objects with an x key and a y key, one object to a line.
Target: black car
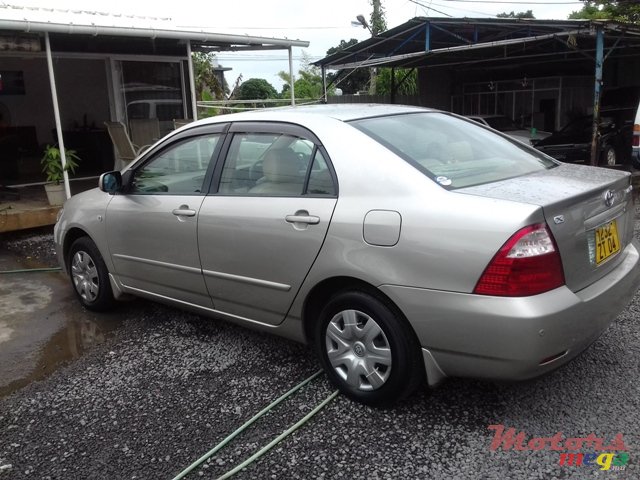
[{"x": 573, "y": 142}]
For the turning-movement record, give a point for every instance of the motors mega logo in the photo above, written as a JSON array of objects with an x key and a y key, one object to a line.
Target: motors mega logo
[{"x": 615, "y": 458}]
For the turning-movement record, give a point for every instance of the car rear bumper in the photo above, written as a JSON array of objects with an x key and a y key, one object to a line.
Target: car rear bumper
[{"x": 503, "y": 338}]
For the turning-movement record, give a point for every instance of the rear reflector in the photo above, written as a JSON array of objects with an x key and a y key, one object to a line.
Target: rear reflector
[{"x": 527, "y": 264}]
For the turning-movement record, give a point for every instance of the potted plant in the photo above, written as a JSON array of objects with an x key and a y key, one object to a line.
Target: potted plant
[{"x": 52, "y": 167}]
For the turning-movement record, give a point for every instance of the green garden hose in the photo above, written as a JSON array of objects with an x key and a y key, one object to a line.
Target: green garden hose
[
  {"x": 248, "y": 423},
  {"x": 31, "y": 270}
]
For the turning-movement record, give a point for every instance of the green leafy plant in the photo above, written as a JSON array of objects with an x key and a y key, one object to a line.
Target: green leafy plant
[{"x": 52, "y": 163}]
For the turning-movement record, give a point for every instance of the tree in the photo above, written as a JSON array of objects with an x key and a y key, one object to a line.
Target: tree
[
  {"x": 512, "y": 14},
  {"x": 308, "y": 83},
  {"x": 409, "y": 79},
  {"x": 349, "y": 81},
  {"x": 377, "y": 22},
  {"x": 256, "y": 88},
  {"x": 207, "y": 83},
  {"x": 623, "y": 11}
]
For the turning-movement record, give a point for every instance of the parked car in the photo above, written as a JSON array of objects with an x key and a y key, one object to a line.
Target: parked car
[
  {"x": 573, "y": 142},
  {"x": 508, "y": 126},
  {"x": 402, "y": 243}
]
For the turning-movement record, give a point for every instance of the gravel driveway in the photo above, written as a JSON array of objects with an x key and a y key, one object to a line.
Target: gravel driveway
[{"x": 168, "y": 386}]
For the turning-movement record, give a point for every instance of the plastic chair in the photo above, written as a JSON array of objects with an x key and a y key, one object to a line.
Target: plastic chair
[
  {"x": 144, "y": 132},
  {"x": 125, "y": 149}
]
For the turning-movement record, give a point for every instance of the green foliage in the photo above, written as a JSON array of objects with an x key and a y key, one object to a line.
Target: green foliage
[
  {"x": 52, "y": 163},
  {"x": 377, "y": 22},
  {"x": 207, "y": 83},
  {"x": 512, "y": 14},
  {"x": 256, "y": 88},
  {"x": 349, "y": 81},
  {"x": 408, "y": 87},
  {"x": 308, "y": 83},
  {"x": 623, "y": 11}
]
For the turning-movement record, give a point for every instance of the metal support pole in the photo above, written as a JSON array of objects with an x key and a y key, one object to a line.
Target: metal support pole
[
  {"x": 56, "y": 114},
  {"x": 324, "y": 84},
  {"x": 192, "y": 81},
  {"x": 293, "y": 92},
  {"x": 427, "y": 37},
  {"x": 393, "y": 85},
  {"x": 596, "y": 94}
]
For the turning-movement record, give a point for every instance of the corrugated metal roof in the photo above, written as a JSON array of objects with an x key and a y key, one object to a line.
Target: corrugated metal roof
[
  {"x": 424, "y": 40},
  {"x": 74, "y": 21}
]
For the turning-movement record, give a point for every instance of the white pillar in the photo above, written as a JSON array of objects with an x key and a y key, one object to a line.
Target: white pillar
[
  {"x": 192, "y": 81},
  {"x": 56, "y": 114},
  {"x": 293, "y": 92}
]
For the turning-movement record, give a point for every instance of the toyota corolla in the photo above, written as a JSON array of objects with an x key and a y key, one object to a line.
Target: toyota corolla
[{"x": 404, "y": 244}]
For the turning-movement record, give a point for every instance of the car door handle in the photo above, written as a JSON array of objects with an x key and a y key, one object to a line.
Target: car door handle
[
  {"x": 308, "y": 219},
  {"x": 184, "y": 211}
]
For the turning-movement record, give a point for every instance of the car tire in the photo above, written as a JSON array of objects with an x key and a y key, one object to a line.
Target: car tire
[
  {"x": 89, "y": 275},
  {"x": 609, "y": 157},
  {"x": 367, "y": 349}
]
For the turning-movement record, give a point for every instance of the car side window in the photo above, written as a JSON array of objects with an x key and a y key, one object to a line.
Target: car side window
[
  {"x": 320, "y": 179},
  {"x": 178, "y": 170},
  {"x": 266, "y": 164}
]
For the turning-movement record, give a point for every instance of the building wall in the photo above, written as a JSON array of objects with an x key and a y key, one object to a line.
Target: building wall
[
  {"x": 435, "y": 87},
  {"x": 35, "y": 107}
]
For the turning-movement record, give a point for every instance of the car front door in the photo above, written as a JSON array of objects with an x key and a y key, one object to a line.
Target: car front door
[
  {"x": 264, "y": 223},
  {"x": 152, "y": 226}
]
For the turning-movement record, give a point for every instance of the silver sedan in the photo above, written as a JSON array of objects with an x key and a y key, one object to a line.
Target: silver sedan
[{"x": 404, "y": 244}]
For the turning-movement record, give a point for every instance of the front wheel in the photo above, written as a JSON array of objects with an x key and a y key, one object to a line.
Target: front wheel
[
  {"x": 367, "y": 349},
  {"x": 89, "y": 275}
]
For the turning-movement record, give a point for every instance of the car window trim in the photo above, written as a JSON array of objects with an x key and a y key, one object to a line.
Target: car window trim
[
  {"x": 195, "y": 132},
  {"x": 275, "y": 128}
]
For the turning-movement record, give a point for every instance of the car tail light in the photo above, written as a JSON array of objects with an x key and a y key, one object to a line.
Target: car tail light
[
  {"x": 527, "y": 264},
  {"x": 636, "y": 135}
]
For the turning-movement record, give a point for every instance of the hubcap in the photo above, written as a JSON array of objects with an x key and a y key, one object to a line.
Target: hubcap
[
  {"x": 611, "y": 157},
  {"x": 85, "y": 276},
  {"x": 358, "y": 350}
]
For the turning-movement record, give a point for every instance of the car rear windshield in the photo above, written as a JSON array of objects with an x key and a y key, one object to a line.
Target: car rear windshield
[{"x": 454, "y": 152}]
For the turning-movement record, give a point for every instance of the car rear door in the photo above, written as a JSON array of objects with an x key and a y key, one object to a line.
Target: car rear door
[
  {"x": 265, "y": 220},
  {"x": 152, "y": 227}
]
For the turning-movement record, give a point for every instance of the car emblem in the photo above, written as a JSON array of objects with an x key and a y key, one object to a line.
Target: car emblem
[
  {"x": 609, "y": 198},
  {"x": 558, "y": 219}
]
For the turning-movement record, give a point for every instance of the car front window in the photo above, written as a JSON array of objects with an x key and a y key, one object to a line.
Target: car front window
[
  {"x": 178, "y": 170},
  {"x": 453, "y": 152}
]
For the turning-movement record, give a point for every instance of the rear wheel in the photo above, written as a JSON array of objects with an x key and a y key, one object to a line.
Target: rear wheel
[
  {"x": 609, "y": 157},
  {"x": 367, "y": 349},
  {"x": 89, "y": 275}
]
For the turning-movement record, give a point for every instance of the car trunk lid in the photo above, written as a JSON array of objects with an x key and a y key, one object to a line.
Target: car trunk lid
[{"x": 589, "y": 211}]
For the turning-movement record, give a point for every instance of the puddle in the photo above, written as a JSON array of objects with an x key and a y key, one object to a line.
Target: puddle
[{"x": 42, "y": 325}]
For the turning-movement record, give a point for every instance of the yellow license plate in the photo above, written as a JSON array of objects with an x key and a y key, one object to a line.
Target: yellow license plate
[{"x": 607, "y": 242}]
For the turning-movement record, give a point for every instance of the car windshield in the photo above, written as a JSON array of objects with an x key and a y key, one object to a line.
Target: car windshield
[{"x": 455, "y": 153}]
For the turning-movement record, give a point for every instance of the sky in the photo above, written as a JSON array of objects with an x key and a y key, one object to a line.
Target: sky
[{"x": 323, "y": 23}]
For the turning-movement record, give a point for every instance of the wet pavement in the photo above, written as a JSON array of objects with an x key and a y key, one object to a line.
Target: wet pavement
[{"x": 42, "y": 325}]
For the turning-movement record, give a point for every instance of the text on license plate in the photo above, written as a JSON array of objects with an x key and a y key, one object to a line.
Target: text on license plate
[{"x": 607, "y": 242}]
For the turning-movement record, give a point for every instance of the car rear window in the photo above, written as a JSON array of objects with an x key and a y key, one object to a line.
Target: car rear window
[{"x": 454, "y": 152}]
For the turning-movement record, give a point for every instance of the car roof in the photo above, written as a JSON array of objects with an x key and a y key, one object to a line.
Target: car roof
[{"x": 344, "y": 112}]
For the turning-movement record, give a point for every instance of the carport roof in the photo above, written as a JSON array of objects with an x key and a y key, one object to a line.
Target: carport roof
[
  {"x": 84, "y": 23},
  {"x": 427, "y": 41}
]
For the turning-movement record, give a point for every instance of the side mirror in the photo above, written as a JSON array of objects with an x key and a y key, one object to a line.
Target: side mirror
[{"x": 110, "y": 182}]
